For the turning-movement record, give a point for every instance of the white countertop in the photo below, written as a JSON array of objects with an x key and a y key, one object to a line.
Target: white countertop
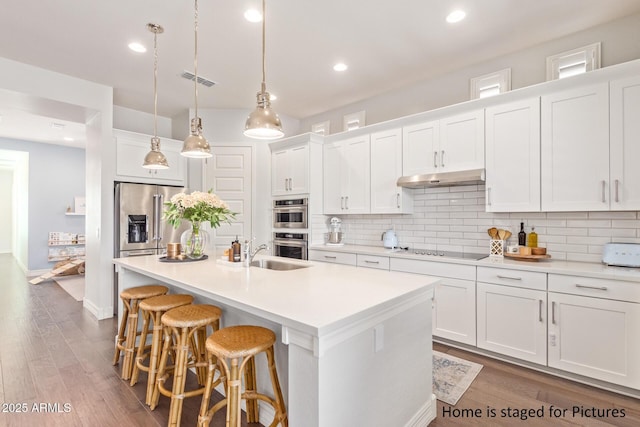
[
  {"x": 318, "y": 299},
  {"x": 587, "y": 269}
]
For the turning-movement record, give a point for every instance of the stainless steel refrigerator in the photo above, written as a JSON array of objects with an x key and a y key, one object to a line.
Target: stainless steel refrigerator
[{"x": 139, "y": 228}]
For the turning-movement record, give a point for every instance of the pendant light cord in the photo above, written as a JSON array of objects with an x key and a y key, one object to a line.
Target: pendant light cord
[
  {"x": 264, "y": 73},
  {"x": 195, "y": 59},
  {"x": 155, "y": 83}
]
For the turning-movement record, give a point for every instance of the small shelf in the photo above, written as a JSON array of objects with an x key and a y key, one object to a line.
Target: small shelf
[
  {"x": 65, "y": 243},
  {"x": 74, "y": 214}
]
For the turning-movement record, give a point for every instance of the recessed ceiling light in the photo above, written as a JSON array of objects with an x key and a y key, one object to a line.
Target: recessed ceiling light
[
  {"x": 253, "y": 15},
  {"x": 68, "y": 138},
  {"x": 456, "y": 16},
  {"x": 137, "y": 47},
  {"x": 340, "y": 66}
]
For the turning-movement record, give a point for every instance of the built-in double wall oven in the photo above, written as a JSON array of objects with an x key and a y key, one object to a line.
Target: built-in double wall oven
[{"x": 290, "y": 222}]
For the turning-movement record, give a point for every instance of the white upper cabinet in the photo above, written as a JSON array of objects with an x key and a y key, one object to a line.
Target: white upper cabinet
[
  {"x": 513, "y": 157},
  {"x": 386, "y": 168},
  {"x": 462, "y": 142},
  {"x": 625, "y": 144},
  {"x": 131, "y": 148},
  {"x": 575, "y": 149},
  {"x": 420, "y": 144},
  {"x": 446, "y": 145},
  {"x": 346, "y": 176},
  {"x": 290, "y": 170}
]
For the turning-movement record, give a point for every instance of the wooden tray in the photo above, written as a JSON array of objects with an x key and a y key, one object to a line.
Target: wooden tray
[
  {"x": 165, "y": 259},
  {"x": 527, "y": 257}
]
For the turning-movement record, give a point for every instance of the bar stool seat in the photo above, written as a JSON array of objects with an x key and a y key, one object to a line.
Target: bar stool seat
[
  {"x": 128, "y": 331},
  {"x": 188, "y": 326},
  {"x": 239, "y": 345},
  {"x": 152, "y": 310}
]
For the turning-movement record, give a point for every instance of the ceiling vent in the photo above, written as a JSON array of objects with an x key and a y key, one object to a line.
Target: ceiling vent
[{"x": 190, "y": 76}]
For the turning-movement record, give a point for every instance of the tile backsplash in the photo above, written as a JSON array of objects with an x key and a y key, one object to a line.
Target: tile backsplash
[{"x": 454, "y": 219}]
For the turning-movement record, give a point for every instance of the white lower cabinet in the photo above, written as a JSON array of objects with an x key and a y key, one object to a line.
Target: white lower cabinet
[
  {"x": 454, "y": 310},
  {"x": 454, "y": 301},
  {"x": 373, "y": 261},
  {"x": 333, "y": 257},
  {"x": 592, "y": 335},
  {"x": 512, "y": 321}
]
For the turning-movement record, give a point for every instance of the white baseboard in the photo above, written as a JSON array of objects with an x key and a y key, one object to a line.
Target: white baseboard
[
  {"x": 98, "y": 312},
  {"x": 424, "y": 416}
]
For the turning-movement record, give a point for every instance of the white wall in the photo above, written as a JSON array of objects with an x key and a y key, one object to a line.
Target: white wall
[
  {"x": 97, "y": 101},
  {"x": 56, "y": 176},
  {"x": 6, "y": 210},
  {"x": 619, "y": 44},
  {"x": 138, "y": 121}
]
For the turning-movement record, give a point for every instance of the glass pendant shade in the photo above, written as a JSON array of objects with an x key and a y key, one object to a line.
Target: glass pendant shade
[
  {"x": 263, "y": 122},
  {"x": 195, "y": 145},
  {"x": 154, "y": 158}
]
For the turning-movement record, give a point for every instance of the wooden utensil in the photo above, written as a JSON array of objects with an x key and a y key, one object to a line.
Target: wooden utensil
[
  {"x": 493, "y": 232},
  {"x": 507, "y": 234},
  {"x": 501, "y": 234}
]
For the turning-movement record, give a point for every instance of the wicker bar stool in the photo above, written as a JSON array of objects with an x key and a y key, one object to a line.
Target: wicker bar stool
[
  {"x": 188, "y": 326},
  {"x": 239, "y": 345},
  {"x": 128, "y": 331},
  {"x": 152, "y": 310}
]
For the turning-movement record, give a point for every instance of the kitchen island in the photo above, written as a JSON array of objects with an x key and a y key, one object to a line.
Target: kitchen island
[{"x": 354, "y": 344}]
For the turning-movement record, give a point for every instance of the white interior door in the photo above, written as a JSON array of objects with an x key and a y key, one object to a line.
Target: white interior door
[{"x": 229, "y": 174}]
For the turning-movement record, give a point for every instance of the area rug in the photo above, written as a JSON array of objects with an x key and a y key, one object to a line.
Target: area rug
[
  {"x": 452, "y": 376},
  {"x": 74, "y": 285}
]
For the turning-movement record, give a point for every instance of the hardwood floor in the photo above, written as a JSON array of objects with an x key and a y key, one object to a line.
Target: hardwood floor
[
  {"x": 55, "y": 363},
  {"x": 501, "y": 386}
]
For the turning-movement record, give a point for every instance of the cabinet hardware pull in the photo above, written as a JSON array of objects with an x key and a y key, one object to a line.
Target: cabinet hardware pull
[
  {"x": 435, "y": 159},
  {"x": 489, "y": 196},
  {"x": 341, "y": 202},
  {"x": 398, "y": 200},
  {"x": 442, "y": 158},
  {"x": 540, "y": 310},
  {"x": 553, "y": 312},
  {"x": 598, "y": 288},
  {"x": 346, "y": 202},
  {"x": 604, "y": 183},
  {"x": 371, "y": 262},
  {"x": 509, "y": 277},
  {"x": 329, "y": 257},
  {"x": 617, "y": 184}
]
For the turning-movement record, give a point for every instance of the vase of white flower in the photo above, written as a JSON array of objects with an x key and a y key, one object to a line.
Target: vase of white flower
[
  {"x": 197, "y": 207},
  {"x": 194, "y": 241}
]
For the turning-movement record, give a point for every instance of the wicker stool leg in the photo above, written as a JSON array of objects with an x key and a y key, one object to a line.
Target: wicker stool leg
[
  {"x": 179, "y": 378},
  {"x": 281, "y": 412},
  {"x": 234, "y": 389},
  {"x": 154, "y": 357},
  {"x": 130, "y": 343},
  {"x": 205, "y": 415},
  {"x": 137, "y": 363},
  {"x": 251, "y": 388},
  {"x": 120, "y": 339},
  {"x": 162, "y": 367}
]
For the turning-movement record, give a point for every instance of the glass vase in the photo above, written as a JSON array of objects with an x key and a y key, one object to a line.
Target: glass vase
[{"x": 194, "y": 241}]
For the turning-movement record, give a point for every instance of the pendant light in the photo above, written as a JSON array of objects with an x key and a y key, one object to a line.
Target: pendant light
[
  {"x": 196, "y": 145},
  {"x": 154, "y": 158},
  {"x": 263, "y": 122}
]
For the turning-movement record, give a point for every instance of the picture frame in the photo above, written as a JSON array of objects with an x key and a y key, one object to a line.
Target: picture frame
[{"x": 80, "y": 206}]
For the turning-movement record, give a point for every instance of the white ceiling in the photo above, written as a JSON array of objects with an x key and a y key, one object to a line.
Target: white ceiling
[{"x": 386, "y": 46}]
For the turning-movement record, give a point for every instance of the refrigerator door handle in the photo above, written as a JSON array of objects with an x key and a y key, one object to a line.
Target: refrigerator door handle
[{"x": 156, "y": 222}]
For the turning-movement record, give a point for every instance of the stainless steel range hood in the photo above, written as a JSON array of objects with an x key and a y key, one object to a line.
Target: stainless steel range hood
[{"x": 467, "y": 177}]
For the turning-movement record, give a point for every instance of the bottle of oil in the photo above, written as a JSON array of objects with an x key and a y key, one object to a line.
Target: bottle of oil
[
  {"x": 236, "y": 249},
  {"x": 532, "y": 242},
  {"x": 522, "y": 236}
]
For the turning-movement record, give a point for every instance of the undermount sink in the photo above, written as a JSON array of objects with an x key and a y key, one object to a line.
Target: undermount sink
[{"x": 270, "y": 264}]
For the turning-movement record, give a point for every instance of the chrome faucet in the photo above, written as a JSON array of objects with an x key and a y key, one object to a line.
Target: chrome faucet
[{"x": 249, "y": 254}]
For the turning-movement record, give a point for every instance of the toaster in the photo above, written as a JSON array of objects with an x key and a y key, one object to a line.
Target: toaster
[{"x": 621, "y": 254}]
